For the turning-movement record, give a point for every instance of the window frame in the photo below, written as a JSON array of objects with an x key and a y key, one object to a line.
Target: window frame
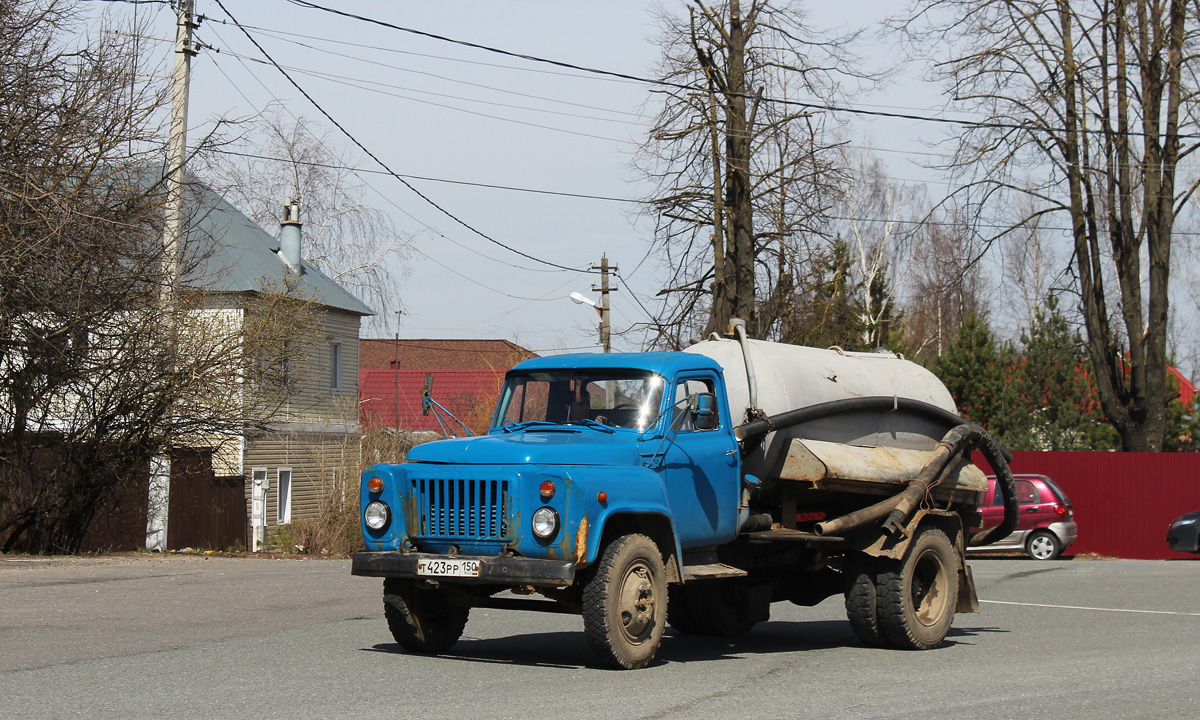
[
  {"x": 336, "y": 359},
  {"x": 283, "y": 496}
]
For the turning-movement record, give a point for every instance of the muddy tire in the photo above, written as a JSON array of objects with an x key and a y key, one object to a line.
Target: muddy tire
[
  {"x": 421, "y": 621},
  {"x": 625, "y": 603},
  {"x": 862, "y": 604},
  {"x": 916, "y": 597},
  {"x": 1043, "y": 545}
]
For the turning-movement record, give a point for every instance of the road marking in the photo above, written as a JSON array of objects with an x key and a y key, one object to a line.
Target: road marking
[{"x": 1082, "y": 607}]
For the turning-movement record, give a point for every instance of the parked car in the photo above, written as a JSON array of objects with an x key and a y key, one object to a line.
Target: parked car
[
  {"x": 1184, "y": 533},
  {"x": 1047, "y": 521}
]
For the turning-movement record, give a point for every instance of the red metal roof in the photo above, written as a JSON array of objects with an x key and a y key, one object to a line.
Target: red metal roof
[
  {"x": 469, "y": 394},
  {"x": 421, "y": 354}
]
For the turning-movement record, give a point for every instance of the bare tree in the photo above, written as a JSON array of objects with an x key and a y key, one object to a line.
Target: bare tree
[
  {"x": 1030, "y": 265},
  {"x": 947, "y": 286},
  {"x": 96, "y": 375},
  {"x": 279, "y": 158},
  {"x": 727, "y": 146},
  {"x": 1098, "y": 100},
  {"x": 876, "y": 215}
]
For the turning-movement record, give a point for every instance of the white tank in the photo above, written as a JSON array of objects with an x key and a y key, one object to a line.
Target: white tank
[{"x": 788, "y": 377}]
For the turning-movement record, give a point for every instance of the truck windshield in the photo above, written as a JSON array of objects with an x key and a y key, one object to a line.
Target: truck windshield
[{"x": 616, "y": 398}]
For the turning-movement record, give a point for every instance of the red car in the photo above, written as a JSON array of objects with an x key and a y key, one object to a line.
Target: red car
[{"x": 1046, "y": 524}]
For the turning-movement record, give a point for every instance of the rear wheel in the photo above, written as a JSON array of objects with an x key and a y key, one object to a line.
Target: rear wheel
[
  {"x": 917, "y": 596},
  {"x": 861, "y": 602},
  {"x": 421, "y": 621},
  {"x": 625, "y": 603},
  {"x": 1043, "y": 545}
]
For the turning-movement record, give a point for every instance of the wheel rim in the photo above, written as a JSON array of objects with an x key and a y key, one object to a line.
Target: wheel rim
[
  {"x": 1041, "y": 547},
  {"x": 637, "y": 603},
  {"x": 930, "y": 589}
]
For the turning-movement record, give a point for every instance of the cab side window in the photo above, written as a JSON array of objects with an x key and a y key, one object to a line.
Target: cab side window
[{"x": 683, "y": 419}]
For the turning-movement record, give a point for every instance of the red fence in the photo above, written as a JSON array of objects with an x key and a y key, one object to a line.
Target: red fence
[{"x": 1123, "y": 501}]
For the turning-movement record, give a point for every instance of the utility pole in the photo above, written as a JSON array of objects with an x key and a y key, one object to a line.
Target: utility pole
[
  {"x": 604, "y": 290},
  {"x": 177, "y": 147},
  {"x": 396, "y": 369},
  {"x": 158, "y": 506}
]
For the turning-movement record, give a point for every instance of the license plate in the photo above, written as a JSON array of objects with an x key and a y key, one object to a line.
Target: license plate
[{"x": 448, "y": 568}]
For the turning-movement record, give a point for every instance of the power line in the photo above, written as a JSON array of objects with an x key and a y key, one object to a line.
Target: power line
[
  {"x": 381, "y": 163},
  {"x": 283, "y": 37},
  {"x": 822, "y": 106},
  {"x": 270, "y": 31},
  {"x": 489, "y": 186},
  {"x": 357, "y": 171},
  {"x": 352, "y": 82}
]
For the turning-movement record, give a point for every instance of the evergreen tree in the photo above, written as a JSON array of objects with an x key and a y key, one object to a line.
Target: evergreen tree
[
  {"x": 1057, "y": 408},
  {"x": 828, "y": 312},
  {"x": 972, "y": 372}
]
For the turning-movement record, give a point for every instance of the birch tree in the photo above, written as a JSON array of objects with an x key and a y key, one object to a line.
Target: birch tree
[
  {"x": 876, "y": 213},
  {"x": 278, "y": 158}
]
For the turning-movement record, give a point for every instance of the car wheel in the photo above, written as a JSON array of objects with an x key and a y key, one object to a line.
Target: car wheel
[{"x": 1043, "y": 545}]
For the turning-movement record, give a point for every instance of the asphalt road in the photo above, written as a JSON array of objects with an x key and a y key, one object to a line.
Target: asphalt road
[{"x": 193, "y": 637}]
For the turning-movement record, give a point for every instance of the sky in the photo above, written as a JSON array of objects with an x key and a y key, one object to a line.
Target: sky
[{"x": 434, "y": 109}]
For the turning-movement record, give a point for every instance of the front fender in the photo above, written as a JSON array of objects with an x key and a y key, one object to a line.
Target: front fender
[{"x": 630, "y": 492}]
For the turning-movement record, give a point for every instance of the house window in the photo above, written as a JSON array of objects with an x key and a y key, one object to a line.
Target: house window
[
  {"x": 283, "y": 496},
  {"x": 335, "y": 366}
]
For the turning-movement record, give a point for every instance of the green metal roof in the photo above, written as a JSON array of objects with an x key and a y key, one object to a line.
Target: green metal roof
[{"x": 228, "y": 252}]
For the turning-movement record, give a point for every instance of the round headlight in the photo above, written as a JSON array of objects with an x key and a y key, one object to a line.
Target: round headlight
[
  {"x": 545, "y": 522},
  {"x": 376, "y": 515}
]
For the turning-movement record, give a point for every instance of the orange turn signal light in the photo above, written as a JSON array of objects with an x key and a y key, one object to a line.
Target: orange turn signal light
[
  {"x": 547, "y": 489},
  {"x": 602, "y": 497},
  {"x": 375, "y": 485}
]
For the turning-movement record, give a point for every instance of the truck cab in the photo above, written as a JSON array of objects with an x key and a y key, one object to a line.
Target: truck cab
[{"x": 575, "y": 441}]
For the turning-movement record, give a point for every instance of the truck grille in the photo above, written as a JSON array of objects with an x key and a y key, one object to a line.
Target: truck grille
[{"x": 461, "y": 508}]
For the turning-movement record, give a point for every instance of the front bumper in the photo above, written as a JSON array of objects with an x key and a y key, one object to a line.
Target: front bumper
[
  {"x": 492, "y": 569},
  {"x": 1184, "y": 538}
]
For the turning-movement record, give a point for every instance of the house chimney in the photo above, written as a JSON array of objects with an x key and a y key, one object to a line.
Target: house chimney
[{"x": 289, "y": 234}]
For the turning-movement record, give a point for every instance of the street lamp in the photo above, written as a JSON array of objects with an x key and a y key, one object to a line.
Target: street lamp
[{"x": 581, "y": 299}]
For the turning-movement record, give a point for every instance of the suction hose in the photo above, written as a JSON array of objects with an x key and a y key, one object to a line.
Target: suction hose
[
  {"x": 963, "y": 436},
  {"x": 883, "y": 403}
]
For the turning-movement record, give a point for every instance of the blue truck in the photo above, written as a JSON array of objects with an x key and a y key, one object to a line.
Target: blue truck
[{"x": 691, "y": 489}]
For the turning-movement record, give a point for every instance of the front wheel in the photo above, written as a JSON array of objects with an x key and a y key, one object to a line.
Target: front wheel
[
  {"x": 917, "y": 595},
  {"x": 421, "y": 621},
  {"x": 625, "y": 603},
  {"x": 1043, "y": 545}
]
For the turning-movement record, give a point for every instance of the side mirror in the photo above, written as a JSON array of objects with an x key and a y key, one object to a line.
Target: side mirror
[{"x": 704, "y": 411}]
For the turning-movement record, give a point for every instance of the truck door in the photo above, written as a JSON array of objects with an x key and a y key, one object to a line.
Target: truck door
[{"x": 700, "y": 468}]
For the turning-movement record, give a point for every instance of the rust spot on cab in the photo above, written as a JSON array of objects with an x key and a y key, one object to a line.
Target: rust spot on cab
[{"x": 581, "y": 541}]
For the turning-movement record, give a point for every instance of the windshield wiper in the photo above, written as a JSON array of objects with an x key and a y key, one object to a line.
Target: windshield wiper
[
  {"x": 588, "y": 422},
  {"x": 513, "y": 427}
]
